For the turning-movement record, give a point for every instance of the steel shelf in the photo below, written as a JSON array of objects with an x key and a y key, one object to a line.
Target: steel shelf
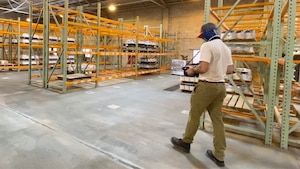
[
  {"x": 275, "y": 25},
  {"x": 88, "y": 30}
]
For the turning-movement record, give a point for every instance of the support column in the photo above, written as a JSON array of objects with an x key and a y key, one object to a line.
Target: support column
[
  {"x": 46, "y": 23},
  {"x": 161, "y": 49},
  {"x": 3, "y": 41},
  {"x": 105, "y": 50},
  {"x": 289, "y": 73},
  {"x": 276, "y": 53},
  {"x": 136, "y": 45},
  {"x": 164, "y": 31},
  {"x": 65, "y": 46},
  {"x": 19, "y": 47},
  {"x": 207, "y": 6},
  {"x": 220, "y": 12},
  {"x": 165, "y": 19},
  {"x": 79, "y": 57},
  {"x": 30, "y": 42},
  {"x": 10, "y": 29},
  {"x": 98, "y": 43},
  {"x": 120, "y": 44}
]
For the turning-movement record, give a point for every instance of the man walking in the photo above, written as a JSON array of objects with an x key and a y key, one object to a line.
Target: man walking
[{"x": 209, "y": 93}]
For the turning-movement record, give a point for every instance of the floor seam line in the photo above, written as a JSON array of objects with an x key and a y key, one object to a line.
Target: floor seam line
[{"x": 111, "y": 156}]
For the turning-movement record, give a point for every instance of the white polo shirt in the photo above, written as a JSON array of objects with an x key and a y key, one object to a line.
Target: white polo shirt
[{"x": 218, "y": 55}]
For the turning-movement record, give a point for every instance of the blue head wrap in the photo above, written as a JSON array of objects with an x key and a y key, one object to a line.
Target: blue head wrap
[
  {"x": 208, "y": 32},
  {"x": 208, "y": 35}
]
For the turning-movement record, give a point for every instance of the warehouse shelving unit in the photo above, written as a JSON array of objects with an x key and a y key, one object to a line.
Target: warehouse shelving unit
[
  {"x": 15, "y": 45},
  {"x": 10, "y": 32},
  {"x": 108, "y": 35},
  {"x": 267, "y": 19}
]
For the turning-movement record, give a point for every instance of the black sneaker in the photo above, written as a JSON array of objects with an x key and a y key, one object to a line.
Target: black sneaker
[
  {"x": 211, "y": 156},
  {"x": 178, "y": 143}
]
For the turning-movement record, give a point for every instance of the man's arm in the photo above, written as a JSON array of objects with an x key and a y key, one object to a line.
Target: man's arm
[
  {"x": 201, "y": 68},
  {"x": 229, "y": 69}
]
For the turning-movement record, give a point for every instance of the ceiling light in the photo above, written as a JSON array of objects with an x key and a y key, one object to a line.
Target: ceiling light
[
  {"x": 28, "y": 19},
  {"x": 112, "y": 7}
]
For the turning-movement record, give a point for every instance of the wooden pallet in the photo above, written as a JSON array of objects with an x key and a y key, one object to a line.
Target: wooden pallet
[
  {"x": 235, "y": 105},
  {"x": 294, "y": 115},
  {"x": 236, "y": 101}
]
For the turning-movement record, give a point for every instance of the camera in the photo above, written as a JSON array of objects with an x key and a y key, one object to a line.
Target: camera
[{"x": 185, "y": 73}]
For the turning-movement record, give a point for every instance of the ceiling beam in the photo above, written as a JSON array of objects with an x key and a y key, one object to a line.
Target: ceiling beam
[
  {"x": 163, "y": 2},
  {"x": 163, "y": 6},
  {"x": 11, "y": 10},
  {"x": 89, "y": 4}
]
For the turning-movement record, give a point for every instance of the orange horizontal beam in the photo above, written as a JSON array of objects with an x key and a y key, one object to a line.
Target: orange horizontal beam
[
  {"x": 89, "y": 16},
  {"x": 247, "y": 13},
  {"x": 241, "y": 114},
  {"x": 256, "y": 59},
  {"x": 9, "y": 21},
  {"x": 113, "y": 76},
  {"x": 262, "y": 4},
  {"x": 8, "y": 32},
  {"x": 247, "y": 19},
  {"x": 120, "y": 53},
  {"x": 253, "y": 59}
]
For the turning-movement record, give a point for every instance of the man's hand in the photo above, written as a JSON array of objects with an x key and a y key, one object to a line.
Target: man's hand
[{"x": 190, "y": 71}]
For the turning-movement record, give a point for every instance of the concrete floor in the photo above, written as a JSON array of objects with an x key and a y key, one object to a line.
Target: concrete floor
[{"x": 125, "y": 125}]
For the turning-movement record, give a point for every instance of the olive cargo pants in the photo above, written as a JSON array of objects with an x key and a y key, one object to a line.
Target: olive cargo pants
[{"x": 208, "y": 96}]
